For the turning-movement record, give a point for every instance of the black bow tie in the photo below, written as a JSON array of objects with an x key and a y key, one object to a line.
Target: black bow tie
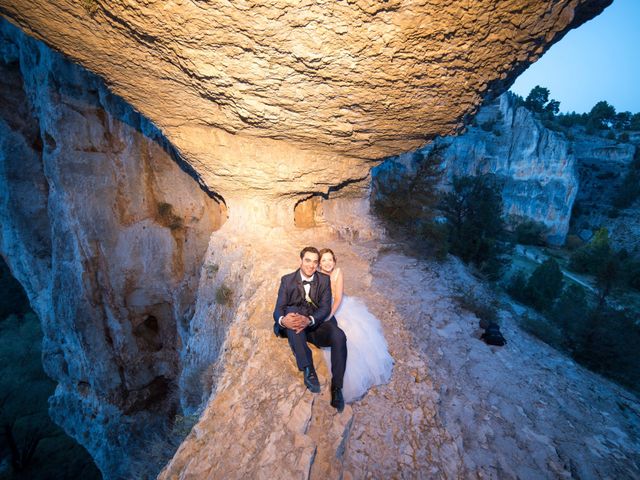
[{"x": 307, "y": 282}]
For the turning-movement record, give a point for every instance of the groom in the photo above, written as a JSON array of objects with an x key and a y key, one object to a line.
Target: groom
[{"x": 302, "y": 308}]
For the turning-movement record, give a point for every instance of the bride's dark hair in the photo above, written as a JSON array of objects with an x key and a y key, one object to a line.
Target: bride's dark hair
[{"x": 328, "y": 250}]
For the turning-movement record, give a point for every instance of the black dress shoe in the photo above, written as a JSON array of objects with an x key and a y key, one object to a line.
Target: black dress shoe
[
  {"x": 311, "y": 379},
  {"x": 337, "y": 400}
]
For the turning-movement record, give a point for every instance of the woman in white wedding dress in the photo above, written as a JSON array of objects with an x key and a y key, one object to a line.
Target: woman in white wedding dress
[{"x": 368, "y": 361}]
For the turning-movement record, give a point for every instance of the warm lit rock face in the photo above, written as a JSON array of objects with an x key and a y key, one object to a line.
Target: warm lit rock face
[
  {"x": 107, "y": 235},
  {"x": 266, "y": 105},
  {"x": 535, "y": 166},
  {"x": 285, "y": 98}
]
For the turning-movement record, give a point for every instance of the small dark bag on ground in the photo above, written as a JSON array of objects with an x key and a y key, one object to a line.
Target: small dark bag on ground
[{"x": 492, "y": 336}]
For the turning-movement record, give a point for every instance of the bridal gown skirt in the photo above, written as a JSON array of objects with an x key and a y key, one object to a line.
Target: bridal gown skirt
[{"x": 368, "y": 360}]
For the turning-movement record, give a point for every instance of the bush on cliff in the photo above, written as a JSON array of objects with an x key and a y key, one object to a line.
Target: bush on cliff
[
  {"x": 544, "y": 285},
  {"x": 589, "y": 258},
  {"x": 517, "y": 285},
  {"x": 538, "y": 102},
  {"x": 606, "y": 341},
  {"x": 629, "y": 191},
  {"x": 407, "y": 202},
  {"x": 408, "y": 199},
  {"x": 530, "y": 232},
  {"x": 541, "y": 289},
  {"x": 12, "y": 297},
  {"x": 569, "y": 312},
  {"x": 607, "y": 265}
]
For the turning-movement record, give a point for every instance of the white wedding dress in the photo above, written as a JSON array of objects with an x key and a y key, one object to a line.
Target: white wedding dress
[{"x": 368, "y": 360}]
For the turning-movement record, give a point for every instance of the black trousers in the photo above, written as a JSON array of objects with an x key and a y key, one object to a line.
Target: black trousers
[{"x": 328, "y": 334}]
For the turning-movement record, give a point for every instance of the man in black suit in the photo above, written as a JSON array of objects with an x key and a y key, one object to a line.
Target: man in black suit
[{"x": 302, "y": 308}]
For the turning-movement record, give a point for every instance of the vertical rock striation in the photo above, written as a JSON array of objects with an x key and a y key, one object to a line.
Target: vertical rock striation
[
  {"x": 603, "y": 165},
  {"x": 535, "y": 165},
  {"x": 107, "y": 234}
]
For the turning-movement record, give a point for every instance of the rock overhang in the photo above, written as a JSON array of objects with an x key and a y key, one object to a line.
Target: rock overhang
[{"x": 277, "y": 99}]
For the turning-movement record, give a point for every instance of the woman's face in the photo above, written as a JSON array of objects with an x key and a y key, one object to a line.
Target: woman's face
[{"x": 326, "y": 262}]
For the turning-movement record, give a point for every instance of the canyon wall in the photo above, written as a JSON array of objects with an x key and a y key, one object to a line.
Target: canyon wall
[
  {"x": 107, "y": 235},
  {"x": 535, "y": 165},
  {"x": 602, "y": 166}
]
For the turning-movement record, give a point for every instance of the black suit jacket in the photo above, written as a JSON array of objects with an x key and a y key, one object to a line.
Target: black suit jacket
[{"x": 291, "y": 299}]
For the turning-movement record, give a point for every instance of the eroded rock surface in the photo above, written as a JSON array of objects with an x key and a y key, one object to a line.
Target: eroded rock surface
[
  {"x": 518, "y": 411},
  {"x": 280, "y": 98},
  {"x": 107, "y": 236},
  {"x": 271, "y": 426},
  {"x": 536, "y": 166},
  {"x": 603, "y": 165},
  {"x": 454, "y": 407}
]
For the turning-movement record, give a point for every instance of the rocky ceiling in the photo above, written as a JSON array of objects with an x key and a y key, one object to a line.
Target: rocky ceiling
[{"x": 282, "y": 98}]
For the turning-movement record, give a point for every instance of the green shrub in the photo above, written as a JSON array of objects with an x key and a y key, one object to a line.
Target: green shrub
[
  {"x": 613, "y": 213},
  {"x": 544, "y": 330},
  {"x": 435, "y": 236},
  {"x": 544, "y": 285},
  {"x": 573, "y": 242},
  {"x": 485, "y": 311},
  {"x": 12, "y": 297},
  {"x": 488, "y": 125},
  {"x": 629, "y": 191},
  {"x": 211, "y": 269},
  {"x": 631, "y": 273},
  {"x": 407, "y": 199},
  {"x": 517, "y": 286},
  {"x": 589, "y": 257},
  {"x": 569, "y": 312},
  {"x": 607, "y": 342},
  {"x": 473, "y": 210},
  {"x": 530, "y": 232},
  {"x": 33, "y": 445},
  {"x": 160, "y": 446},
  {"x": 224, "y": 295}
]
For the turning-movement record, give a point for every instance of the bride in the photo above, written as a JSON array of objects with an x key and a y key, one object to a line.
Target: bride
[{"x": 368, "y": 361}]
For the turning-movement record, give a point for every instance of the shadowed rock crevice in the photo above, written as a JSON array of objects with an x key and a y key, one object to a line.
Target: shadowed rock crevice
[{"x": 308, "y": 211}]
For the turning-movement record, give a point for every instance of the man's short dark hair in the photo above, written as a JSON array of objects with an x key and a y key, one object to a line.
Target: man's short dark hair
[{"x": 311, "y": 250}]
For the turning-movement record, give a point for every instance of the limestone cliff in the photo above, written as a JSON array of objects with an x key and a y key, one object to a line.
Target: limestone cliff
[
  {"x": 602, "y": 166},
  {"x": 107, "y": 235},
  {"x": 536, "y": 166}
]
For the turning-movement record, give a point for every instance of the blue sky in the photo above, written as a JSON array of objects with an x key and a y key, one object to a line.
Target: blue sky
[{"x": 598, "y": 61}]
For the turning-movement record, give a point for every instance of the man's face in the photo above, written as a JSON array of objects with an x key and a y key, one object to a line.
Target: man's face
[{"x": 309, "y": 263}]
